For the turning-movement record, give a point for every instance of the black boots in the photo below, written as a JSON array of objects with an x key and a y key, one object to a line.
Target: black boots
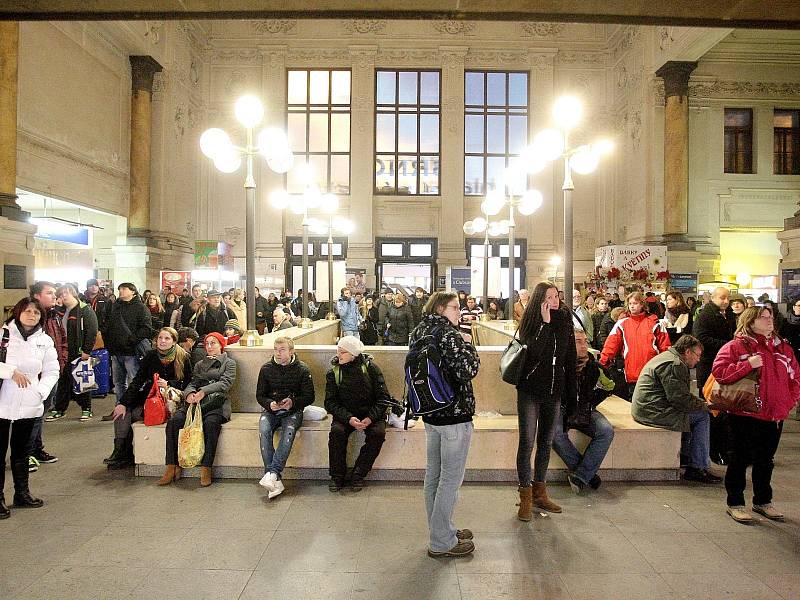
[
  {"x": 22, "y": 495},
  {"x": 4, "y": 512},
  {"x": 122, "y": 457}
]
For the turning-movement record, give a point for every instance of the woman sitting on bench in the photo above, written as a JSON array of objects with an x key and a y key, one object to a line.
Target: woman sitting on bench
[{"x": 211, "y": 379}]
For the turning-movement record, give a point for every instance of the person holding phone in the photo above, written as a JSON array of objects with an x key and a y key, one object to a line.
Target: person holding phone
[{"x": 284, "y": 389}]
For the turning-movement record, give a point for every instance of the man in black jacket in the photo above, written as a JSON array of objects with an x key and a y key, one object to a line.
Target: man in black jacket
[
  {"x": 356, "y": 396},
  {"x": 100, "y": 305},
  {"x": 80, "y": 324},
  {"x": 284, "y": 389},
  {"x": 214, "y": 316},
  {"x": 714, "y": 327},
  {"x": 127, "y": 336}
]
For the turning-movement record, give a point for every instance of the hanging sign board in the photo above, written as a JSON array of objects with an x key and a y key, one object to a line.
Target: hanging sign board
[{"x": 631, "y": 258}]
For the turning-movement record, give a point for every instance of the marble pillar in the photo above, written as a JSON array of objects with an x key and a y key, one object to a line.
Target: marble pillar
[
  {"x": 9, "y": 54},
  {"x": 143, "y": 68},
  {"x": 676, "y": 151}
]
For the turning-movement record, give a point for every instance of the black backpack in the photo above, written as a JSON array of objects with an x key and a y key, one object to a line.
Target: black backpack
[{"x": 428, "y": 389}]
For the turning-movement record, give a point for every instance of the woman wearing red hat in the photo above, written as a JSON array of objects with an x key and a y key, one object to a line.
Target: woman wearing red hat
[{"x": 212, "y": 377}]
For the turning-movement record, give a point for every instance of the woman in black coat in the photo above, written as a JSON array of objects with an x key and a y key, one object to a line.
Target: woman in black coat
[
  {"x": 368, "y": 329},
  {"x": 547, "y": 330}
]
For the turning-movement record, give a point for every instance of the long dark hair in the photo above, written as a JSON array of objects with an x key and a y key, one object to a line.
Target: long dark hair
[
  {"x": 682, "y": 307},
  {"x": 21, "y": 306},
  {"x": 532, "y": 317}
]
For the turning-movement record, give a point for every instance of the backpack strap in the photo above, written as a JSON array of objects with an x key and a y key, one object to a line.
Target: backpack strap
[
  {"x": 4, "y": 344},
  {"x": 337, "y": 372}
]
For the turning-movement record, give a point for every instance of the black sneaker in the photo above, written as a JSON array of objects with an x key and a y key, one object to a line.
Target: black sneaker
[
  {"x": 576, "y": 484},
  {"x": 356, "y": 485},
  {"x": 334, "y": 485},
  {"x": 700, "y": 475},
  {"x": 595, "y": 482},
  {"x": 43, "y": 457}
]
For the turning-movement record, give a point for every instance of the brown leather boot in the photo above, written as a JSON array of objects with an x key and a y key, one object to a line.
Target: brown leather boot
[
  {"x": 178, "y": 473},
  {"x": 525, "y": 512},
  {"x": 168, "y": 476},
  {"x": 540, "y": 499},
  {"x": 205, "y": 476}
]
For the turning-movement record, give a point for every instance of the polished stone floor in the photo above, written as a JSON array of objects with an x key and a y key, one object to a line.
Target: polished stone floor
[{"x": 110, "y": 535}]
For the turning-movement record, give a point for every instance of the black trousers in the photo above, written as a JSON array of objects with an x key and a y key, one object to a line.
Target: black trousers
[
  {"x": 64, "y": 393},
  {"x": 337, "y": 449},
  {"x": 212, "y": 425},
  {"x": 19, "y": 434},
  {"x": 751, "y": 441}
]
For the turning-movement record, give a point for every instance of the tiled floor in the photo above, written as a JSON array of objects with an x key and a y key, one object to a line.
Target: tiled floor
[{"x": 110, "y": 535}]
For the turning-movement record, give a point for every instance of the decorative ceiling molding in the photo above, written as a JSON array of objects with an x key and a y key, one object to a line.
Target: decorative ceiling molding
[
  {"x": 364, "y": 26},
  {"x": 454, "y": 27},
  {"x": 273, "y": 26},
  {"x": 542, "y": 29}
]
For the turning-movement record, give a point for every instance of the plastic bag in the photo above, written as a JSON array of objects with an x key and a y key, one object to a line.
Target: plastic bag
[
  {"x": 83, "y": 375},
  {"x": 191, "y": 445}
]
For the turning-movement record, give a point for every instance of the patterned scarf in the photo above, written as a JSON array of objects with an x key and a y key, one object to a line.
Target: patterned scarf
[{"x": 168, "y": 356}]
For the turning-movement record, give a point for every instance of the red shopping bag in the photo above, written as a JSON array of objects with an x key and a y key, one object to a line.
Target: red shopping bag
[{"x": 155, "y": 409}]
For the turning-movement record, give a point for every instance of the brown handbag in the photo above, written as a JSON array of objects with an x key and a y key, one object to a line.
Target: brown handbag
[{"x": 739, "y": 396}]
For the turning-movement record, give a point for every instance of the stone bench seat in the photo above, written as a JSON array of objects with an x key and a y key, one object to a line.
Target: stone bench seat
[{"x": 637, "y": 453}]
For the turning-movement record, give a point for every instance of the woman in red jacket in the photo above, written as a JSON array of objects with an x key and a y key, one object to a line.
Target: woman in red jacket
[{"x": 753, "y": 438}]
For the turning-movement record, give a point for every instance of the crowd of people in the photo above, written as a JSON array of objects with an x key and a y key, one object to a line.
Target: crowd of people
[{"x": 640, "y": 347}]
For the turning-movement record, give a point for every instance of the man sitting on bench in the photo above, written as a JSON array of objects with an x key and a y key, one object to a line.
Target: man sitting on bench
[
  {"x": 284, "y": 389},
  {"x": 356, "y": 396}
]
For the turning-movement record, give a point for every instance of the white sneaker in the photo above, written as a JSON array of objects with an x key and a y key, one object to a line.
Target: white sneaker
[
  {"x": 277, "y": 488},
  {"x": 268, "y": 481}
]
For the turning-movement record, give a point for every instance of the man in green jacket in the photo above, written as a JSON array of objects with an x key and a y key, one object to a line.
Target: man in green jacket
[{"x": 662, "y": 398}]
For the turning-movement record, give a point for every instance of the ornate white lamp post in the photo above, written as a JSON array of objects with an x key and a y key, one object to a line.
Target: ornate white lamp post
[{"x": 273, "y": 145}]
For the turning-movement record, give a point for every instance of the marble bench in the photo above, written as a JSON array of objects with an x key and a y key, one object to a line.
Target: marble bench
[{"x": 638, "y": 453}]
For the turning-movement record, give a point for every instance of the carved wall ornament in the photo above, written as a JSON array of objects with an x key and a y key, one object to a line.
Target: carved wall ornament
[
  {"x": 273, "y": 26},
  {"x": 541, "y": 62},
  {"x": 194, "y": 73},
  {"x": 636, "y": 129},
  {"x": 622, "y": 77},
  {"x": 236, "y": 56},
  {"x": 363, "y": 26},
  {"x": 236, "y": 83},
  {"x": 665, "y": 38},
  {"x": 497, "y": 57},
  {"x": 629, "y": 35},
  {"x": 744, "y": 89},
  {"x": 152, "y": 31},
  {"x": 311, "y": 54},
  {"x": 453, "y": 27},
  {"x": 180, "y": 120},
  {"x": 190, "y": 228},
  {"x": 397, "y": 55},
  {"x": 581, "y": 58},
  {"x": 543, "y": 29}
]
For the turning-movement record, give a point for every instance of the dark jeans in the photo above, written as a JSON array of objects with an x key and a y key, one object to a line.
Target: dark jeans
[
  {"x": 19, "y": 433},
  {"x": 212, "y": 425},
  {"x": 36, "y": 444},
  {"x": 123, "y": 429},
  {"x": 536, "y": 417},
  {"x": 337, "y": 449},
  {"x": 717, "y": 436},
  {"x": 65, "y": 393},
  {"x": 751, "y": 441}
]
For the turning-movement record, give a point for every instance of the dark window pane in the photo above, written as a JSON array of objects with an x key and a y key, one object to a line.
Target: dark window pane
[
  {"x": 496, "y": 89},
  {"x": 429, "y": 133},
  {"x": 473, "y": 88},
  {"x": 408, "y": 88},
  {"x": 428, "y": 167},
  {"x": 429, "y": 92},
  {"x": 407, "y": 133},
  {"x": 517, "y": 134},
  {"x": 495, "y": 134},
  {"x": 473, "y": 133},
  {"x": 473, "y": 175},
  {"x": 518, "y": 89},
  {"x": 738, "y": 117},
  {"x": 387, "y": 82}
]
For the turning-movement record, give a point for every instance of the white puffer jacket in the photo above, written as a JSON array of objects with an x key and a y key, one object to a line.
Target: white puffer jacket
[{"x": 36, "y": 357}]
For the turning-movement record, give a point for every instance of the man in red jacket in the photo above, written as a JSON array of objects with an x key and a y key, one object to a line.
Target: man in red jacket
[{"x": 638, "y": 336}]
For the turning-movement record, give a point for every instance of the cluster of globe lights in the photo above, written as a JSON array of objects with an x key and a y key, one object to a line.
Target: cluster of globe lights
[
  {"x": 272, "y": 142},
  {"x": 548, "y": 145}
]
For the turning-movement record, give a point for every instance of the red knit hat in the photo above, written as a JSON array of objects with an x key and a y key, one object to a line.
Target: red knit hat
[{"x": 218, "y": 336}]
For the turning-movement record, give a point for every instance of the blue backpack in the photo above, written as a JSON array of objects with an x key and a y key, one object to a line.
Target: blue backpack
[{"x": 427, "y": 385}]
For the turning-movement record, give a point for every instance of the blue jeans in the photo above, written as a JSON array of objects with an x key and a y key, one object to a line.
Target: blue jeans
[
  {"x": 584, "y": 466},
  {"x": 696, "y": 442},
  {"x": 448, "y": 446},
  {"x": 124, "y": 369},
  {"x": 288, "y": 423},
  {"x": 355, "y": 333}
]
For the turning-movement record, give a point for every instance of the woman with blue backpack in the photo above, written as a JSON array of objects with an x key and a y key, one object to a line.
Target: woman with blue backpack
[{"x": 448, "y": 430}]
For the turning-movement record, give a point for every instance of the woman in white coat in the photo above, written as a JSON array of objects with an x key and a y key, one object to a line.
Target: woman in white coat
[{"x": 28, "y": 371}]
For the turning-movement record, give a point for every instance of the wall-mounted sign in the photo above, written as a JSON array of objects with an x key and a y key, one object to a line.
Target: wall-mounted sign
[
  {"x": 631, "y": 258},
  {"x": 15, "y": 277},
  {"x": 176, "y": 280},
  {"x": 685, "y": 283},
  {"x": 57, "y": 232}
]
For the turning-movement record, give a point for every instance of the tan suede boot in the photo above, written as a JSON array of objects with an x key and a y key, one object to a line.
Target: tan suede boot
[
  {"x": 205, "y": 476},
  {"x": 178, "y": 473},
  {"x": 168, "y": 476},
  {"x": 525, "y": 512},
  {"x": 541, "y": 500}
]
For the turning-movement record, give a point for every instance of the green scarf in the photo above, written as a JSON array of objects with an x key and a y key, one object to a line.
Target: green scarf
[{"x": 168, "y": 356}]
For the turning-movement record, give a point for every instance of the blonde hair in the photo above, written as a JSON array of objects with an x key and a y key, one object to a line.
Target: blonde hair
[
  {"x": 744, "y": 324},
  {"x": 287, "y": 341},
  {"x": 181, "y": 356}
]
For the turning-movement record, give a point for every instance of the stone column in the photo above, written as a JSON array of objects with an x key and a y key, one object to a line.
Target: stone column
[
  {"x": 676, "y": 149},
  {"x": 451, "y": 171},
  {"x": 142, "y": 70},
  {"x": 9, "y": 54}
]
